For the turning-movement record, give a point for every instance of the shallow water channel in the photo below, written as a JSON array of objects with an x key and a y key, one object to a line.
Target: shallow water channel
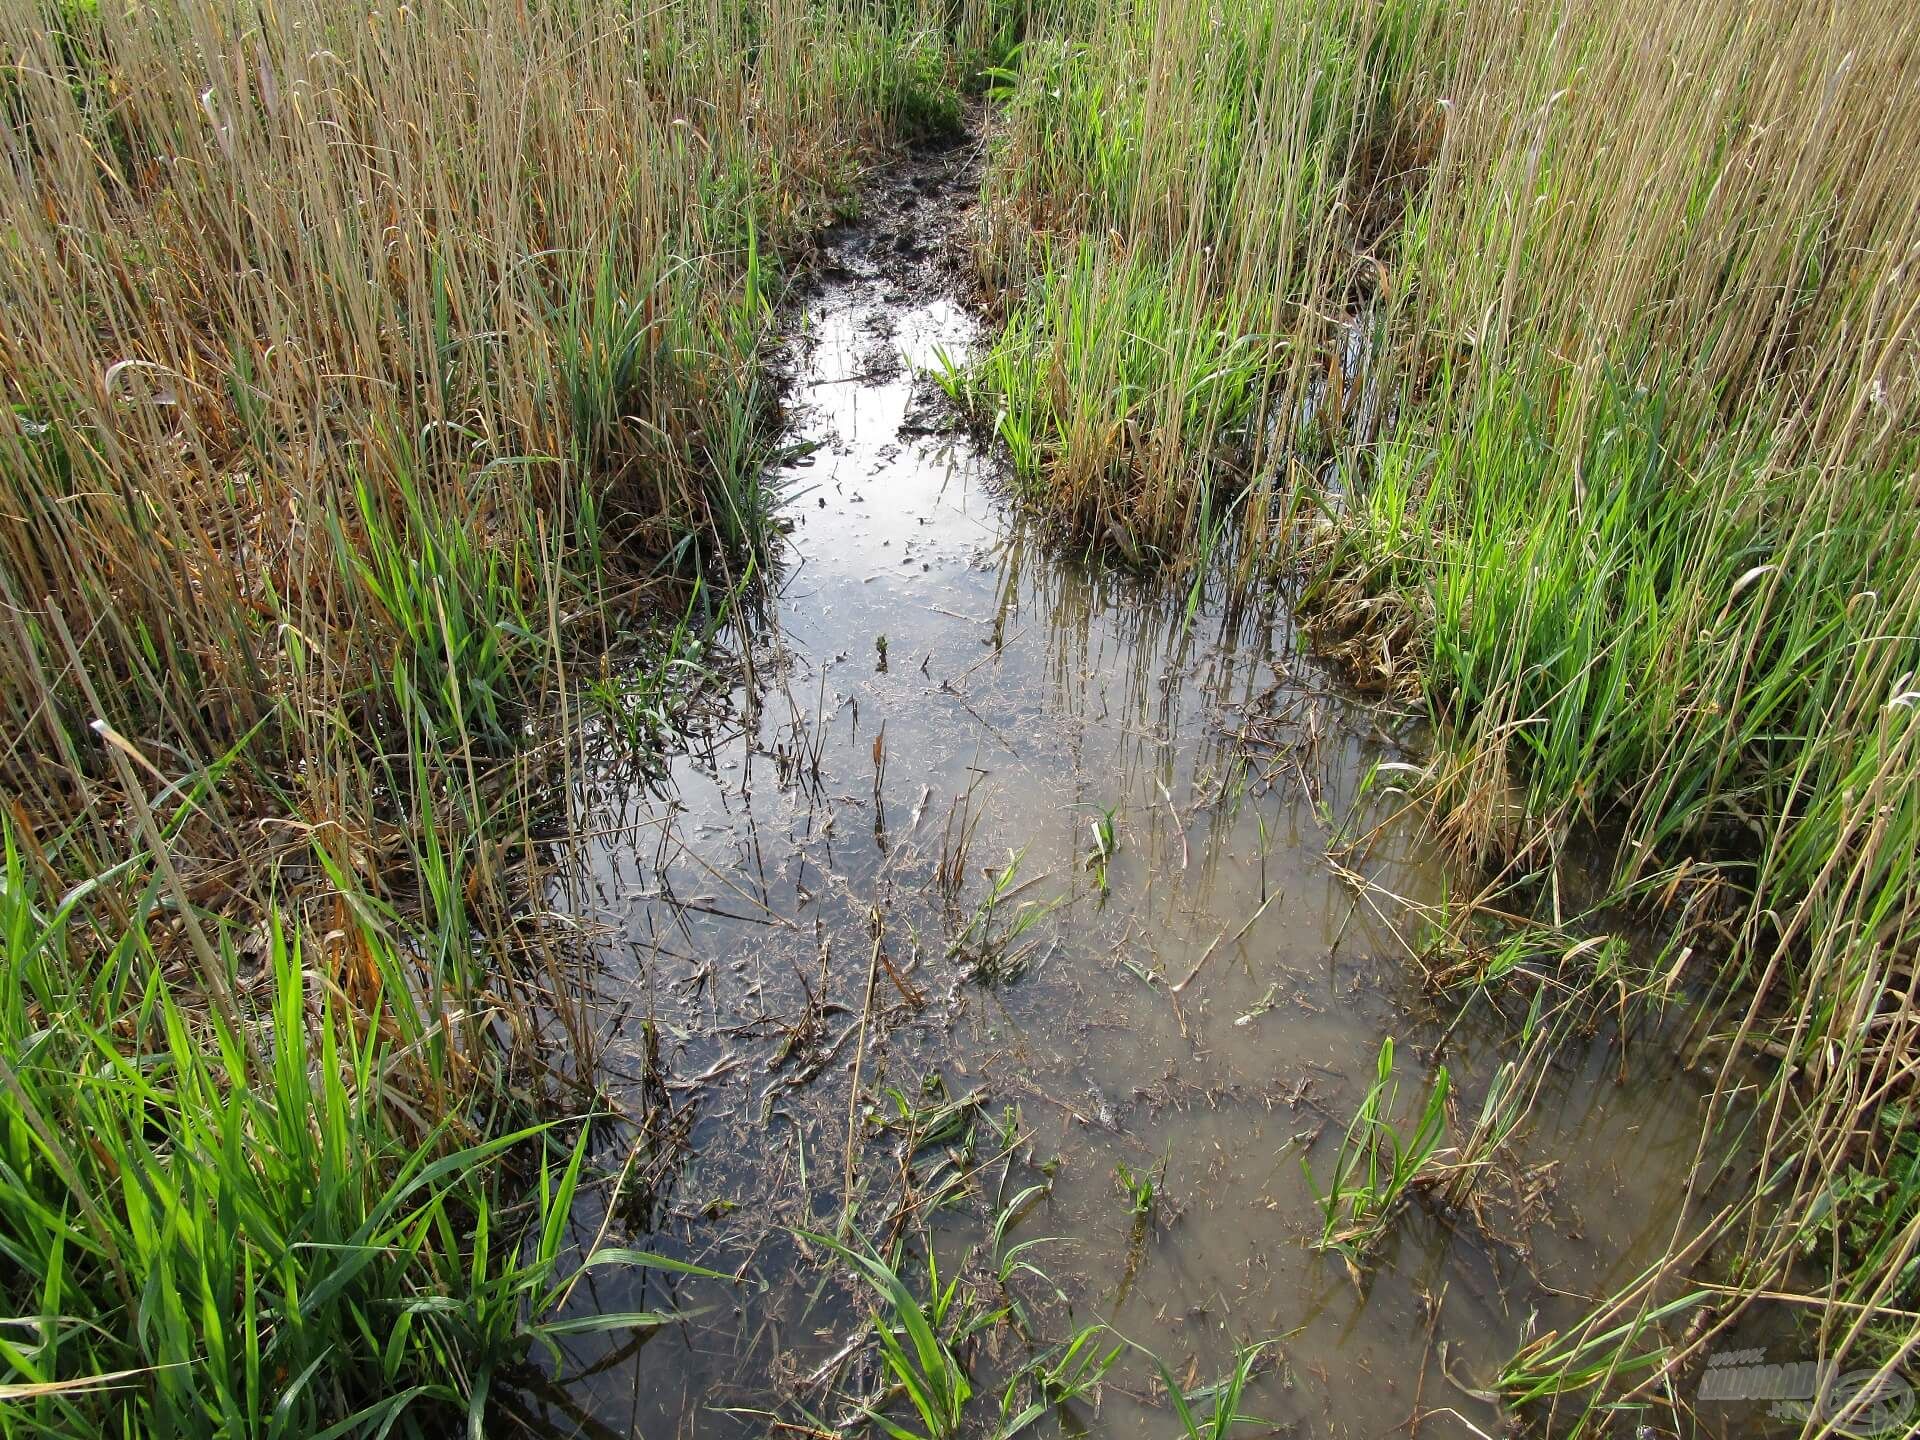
[{"x": 936, "y": 692}]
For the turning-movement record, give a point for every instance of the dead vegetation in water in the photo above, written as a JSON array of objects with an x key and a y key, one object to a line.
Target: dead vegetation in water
[{"x": 1377, "y": 634}]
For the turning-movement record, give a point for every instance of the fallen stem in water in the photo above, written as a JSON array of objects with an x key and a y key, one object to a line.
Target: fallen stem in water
[{"x": 1239, "y": 935}]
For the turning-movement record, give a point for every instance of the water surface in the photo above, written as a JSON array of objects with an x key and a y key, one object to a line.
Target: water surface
[{"x": 939, "y": 692}]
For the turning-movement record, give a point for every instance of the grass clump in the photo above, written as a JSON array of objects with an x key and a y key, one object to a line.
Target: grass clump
[
  {"x": 1098, "y": 377},
  {"x": 1376, "y": 1166},
  {"x": 917, "y": 1339},
  {"x": 251, "y": 1232},
  {"x": 1588, "y": 370},
  {"x": 1178, "y": 200}
]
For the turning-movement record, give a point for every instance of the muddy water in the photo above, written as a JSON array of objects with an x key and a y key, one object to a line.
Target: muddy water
[{"x": 937, "y": 692}]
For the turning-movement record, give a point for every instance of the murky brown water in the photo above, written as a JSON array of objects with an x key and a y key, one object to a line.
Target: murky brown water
[{"x": 917, "y": 621}]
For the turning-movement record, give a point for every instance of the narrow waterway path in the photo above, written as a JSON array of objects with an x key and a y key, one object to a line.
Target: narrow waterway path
[{"x": 1173, "y": 986}]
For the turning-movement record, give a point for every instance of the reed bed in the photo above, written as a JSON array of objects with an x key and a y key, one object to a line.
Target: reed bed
[
  {"x": 1569, "y": 351},
  {"x": 367, "y": 370}
]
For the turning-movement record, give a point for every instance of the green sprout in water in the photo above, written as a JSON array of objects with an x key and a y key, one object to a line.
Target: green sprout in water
[
  {"x": 1376, "y": 1165},
  {"x": 1106, "y": 844},
  {"x": 1138, "y": 1187},
  {"x": 917, "y": 1340}
]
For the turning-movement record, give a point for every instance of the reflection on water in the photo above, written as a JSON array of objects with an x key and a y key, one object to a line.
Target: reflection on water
[{"x": 935, "y": 683}]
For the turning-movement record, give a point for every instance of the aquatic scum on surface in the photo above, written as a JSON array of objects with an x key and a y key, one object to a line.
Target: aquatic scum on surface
[{"x": 933, "y": 719}]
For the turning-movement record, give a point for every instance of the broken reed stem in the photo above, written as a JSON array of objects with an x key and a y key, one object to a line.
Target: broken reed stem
[
  {"x": 1239, "y": 935},
  {"x": 859, "y": 1060},
  {"x": 213, "y": 970}
]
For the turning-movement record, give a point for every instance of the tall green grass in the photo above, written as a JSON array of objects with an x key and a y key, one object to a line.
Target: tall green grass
[
  {"x": 1179, "y": 201},
  {"x": 1588, "y": 408},
  {"x": 200, "y": 1242},
  {"x": 393, "y": 362}
]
